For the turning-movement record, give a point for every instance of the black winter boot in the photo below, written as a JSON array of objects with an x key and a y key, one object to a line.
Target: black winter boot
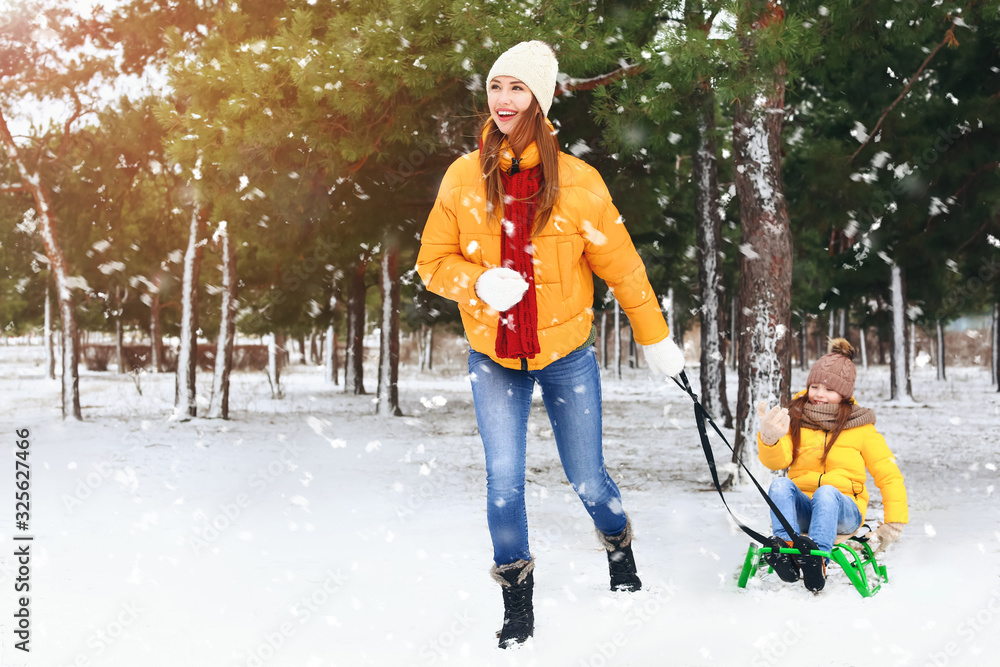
[
  {"x": 784, "y": 565},
  {"x": 621, "y": 562},
  {"x": 813, "y": 567},
  {"x": 517, "y": 582}
]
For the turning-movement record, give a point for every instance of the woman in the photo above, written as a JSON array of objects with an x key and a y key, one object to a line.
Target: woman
[
  {"x": 516, "y": 233},
  {"x": 829, "y": 445}
]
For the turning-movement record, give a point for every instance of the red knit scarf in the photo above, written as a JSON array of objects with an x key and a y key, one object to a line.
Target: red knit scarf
[{"x": 517, "y": 333}]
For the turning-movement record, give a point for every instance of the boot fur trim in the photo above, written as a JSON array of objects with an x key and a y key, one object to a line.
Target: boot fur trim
[
  {"x": 619, "y": 541},
  {"x": 525, "y": 567}
]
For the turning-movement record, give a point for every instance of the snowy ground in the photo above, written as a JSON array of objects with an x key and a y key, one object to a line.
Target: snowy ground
[{"x": 308, "y": 532}]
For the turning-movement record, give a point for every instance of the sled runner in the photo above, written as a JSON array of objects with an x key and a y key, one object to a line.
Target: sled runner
[{"x": 853, "y": 554}]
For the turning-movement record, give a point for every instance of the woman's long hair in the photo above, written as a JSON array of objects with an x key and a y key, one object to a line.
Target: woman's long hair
[
  {"x": 531, "y": 128},
  {"x": 795, "y": 409}
]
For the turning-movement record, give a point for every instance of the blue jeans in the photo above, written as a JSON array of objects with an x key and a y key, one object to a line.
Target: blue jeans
[
  {"x": 571, "y": 391},
  {"x": 827, "y": 514}
]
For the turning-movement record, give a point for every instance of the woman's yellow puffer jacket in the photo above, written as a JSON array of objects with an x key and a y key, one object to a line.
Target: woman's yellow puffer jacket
[
  {"x": 855, "y": 453},
  {"x": 585, "y": 235}
]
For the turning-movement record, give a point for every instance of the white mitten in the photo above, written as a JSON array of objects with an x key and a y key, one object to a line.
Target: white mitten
[
  {"x": 888, "y": 533},
  {"x": 664, "y": 357},
  {"x": 501, "y": 288},
  {"x": 773, "y": 423}
]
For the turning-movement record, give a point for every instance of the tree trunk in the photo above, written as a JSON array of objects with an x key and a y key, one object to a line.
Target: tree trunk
[
  {"x": 633, "y": 350},
  {"x": 313, "y": 348},
  {"x": 941, "y": 375},
  {"x": 426, "y": 340},
  {"x": 618, "y": 342},
  {"x": 879, "y": 339},
  {"x": 329, "y": 346},
  {"x": 734, "y": 341},
  {"x": 862, "y": 335},
  {"x": 995, "y": 356},
  {"x": 899, "y": 372},
  {"x": 50, "y": 353},
  {"x": 388, "y": 362},
  {"x": 766, "y": 258},
  {"x": 274, "y": 362},
  {"x": 57, "y": 264},
  {"x": 155, "y": 335},
  {"x": 803, "y": 344},
  {"x": 704, "y": 163},
  {"x": 119, "y": 332},
  {"x": 430, "y": 347},
  {"x": 353, "y": 364},
  {"x": 185, "y": 405},
  {"x": 330, "y": 370},
  {"x": 420, "y": 336},
  {"x": 227, "y": 328}
]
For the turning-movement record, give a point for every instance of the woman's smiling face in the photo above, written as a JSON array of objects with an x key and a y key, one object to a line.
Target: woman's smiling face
[{"x": 508, "y": 99}]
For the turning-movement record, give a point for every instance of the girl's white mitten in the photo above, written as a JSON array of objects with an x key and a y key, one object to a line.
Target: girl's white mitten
[
  {"x": 888, "y": 533},
  {"x": 664, "y": 357},
  {"x": 501, "y": 288},
  {"x": 773, "y": 423}
]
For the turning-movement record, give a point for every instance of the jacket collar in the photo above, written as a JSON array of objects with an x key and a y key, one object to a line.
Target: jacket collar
[{"x": 529, "y": 156}]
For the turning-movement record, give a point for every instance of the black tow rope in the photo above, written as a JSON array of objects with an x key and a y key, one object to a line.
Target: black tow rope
[{"x": 804, "y": 545}]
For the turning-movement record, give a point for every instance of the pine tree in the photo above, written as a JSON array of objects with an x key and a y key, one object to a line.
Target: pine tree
[
  {"x": 766, "y": 265},
  {"x": 918, "y": 184},
  {"x": 55, "y": 68}
]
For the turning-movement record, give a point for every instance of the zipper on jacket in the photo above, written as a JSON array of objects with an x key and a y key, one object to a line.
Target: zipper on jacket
[{"x": 819, "y": 482}]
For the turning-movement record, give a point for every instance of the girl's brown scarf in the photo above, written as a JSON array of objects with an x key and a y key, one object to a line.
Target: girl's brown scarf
[{"x": 823, "y": 416}]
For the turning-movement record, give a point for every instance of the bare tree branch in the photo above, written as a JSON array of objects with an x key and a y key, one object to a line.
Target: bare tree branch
[
  {"x": 571, "y": 85},
  {"x": 977, "y": 233},
  {"x": 78, "y": 111},
  {"x": 949, "y": 39}
]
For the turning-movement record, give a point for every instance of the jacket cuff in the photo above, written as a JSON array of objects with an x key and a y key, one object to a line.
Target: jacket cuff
[{"x": 760, "y": 441}]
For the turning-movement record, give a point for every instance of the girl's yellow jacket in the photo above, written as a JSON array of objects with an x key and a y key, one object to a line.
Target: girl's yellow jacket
[
  {"x": 585, "y": 235},
  {"x": 857, "y": 451}
]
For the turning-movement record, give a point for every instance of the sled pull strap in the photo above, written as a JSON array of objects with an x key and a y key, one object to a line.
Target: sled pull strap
[{"x": 701, "y": 417}]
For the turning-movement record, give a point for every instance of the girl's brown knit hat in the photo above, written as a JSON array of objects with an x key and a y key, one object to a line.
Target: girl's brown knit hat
[{"x": 836, "y": 369}]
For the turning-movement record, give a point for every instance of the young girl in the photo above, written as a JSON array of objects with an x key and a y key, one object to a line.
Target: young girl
[
  {"x": 829, "y": 444},
  {"x": 514, "y": 237}
]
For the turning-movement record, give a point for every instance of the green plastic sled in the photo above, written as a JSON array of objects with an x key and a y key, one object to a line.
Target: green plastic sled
[{"x": 854, "y": 556}]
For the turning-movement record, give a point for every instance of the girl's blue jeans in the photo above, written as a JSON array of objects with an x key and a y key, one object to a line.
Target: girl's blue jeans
[
  {"x": 571, "y": 391},
  {"x": 827, "y": 514}
]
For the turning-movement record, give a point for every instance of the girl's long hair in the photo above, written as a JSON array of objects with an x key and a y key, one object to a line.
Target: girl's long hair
[
  {"x": 795, "y": 409},
  {"x": 531, "y": 128}
]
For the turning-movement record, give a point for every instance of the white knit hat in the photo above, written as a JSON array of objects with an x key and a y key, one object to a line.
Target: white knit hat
[{"x": 534, "y": 63}]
